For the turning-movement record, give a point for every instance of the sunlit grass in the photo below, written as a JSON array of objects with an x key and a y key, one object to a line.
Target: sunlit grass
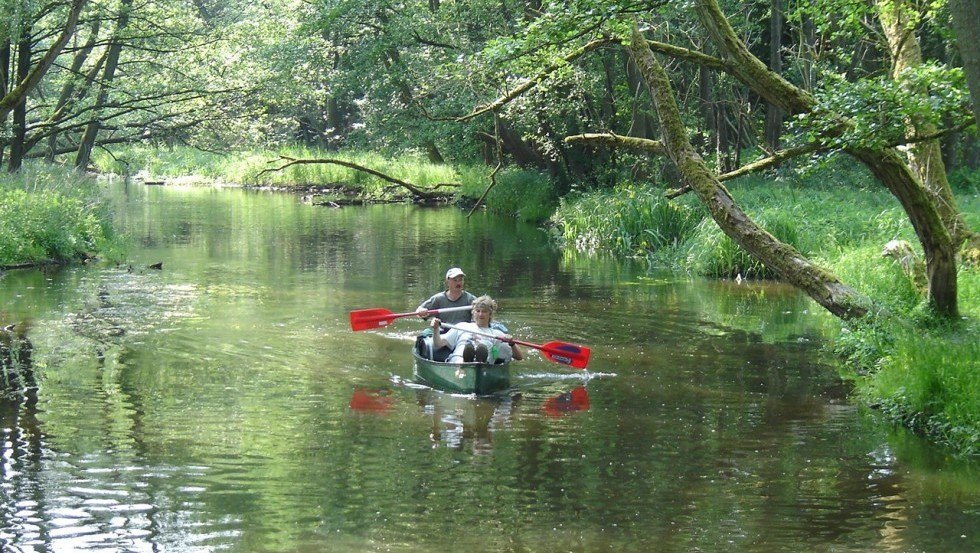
[{"x": 629, "y": 220}]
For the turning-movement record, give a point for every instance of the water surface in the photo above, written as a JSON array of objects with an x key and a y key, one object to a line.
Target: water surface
[{"x": 223, "y": 404}]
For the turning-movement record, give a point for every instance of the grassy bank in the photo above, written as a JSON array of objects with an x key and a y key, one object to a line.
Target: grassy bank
[{"x": 50, "y": 214}]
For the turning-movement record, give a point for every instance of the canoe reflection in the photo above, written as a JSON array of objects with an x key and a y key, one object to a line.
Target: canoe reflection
[
  {"x": 567, "y": 402},
  {"x": 459, "y": 421}
]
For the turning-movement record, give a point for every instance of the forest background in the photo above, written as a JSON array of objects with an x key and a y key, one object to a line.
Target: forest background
[{"x": 828, "y": 143}]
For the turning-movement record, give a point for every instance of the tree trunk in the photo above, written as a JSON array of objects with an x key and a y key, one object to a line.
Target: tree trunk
[
  {"x": 774, "y": 115},
  {"x": 70, "y": 92},
  {"x": 433, "y": 153},
  {"x": 884, "y": 163},
  {"x": 925, "y": 157},
  {"x": 512, "y": 143},
  {"x": 640, "y": 125},
  {"x": 17, "y": 149},
  {"x": 4, "y": 83},
  {"x": 782, "y": 258},
  {"x": 966, "y": 14},
  {"x": 87, "y": 142}
]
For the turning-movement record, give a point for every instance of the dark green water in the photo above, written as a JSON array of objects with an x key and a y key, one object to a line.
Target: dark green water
[{"x": 223, "y": 404}]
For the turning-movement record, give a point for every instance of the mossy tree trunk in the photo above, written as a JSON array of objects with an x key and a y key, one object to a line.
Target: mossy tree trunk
[
  {"x": 885, "y": 163},
  {"x": 792, "y": 266}
]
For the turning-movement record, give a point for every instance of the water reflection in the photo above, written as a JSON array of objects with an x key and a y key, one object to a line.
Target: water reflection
[
  {"x": 21, "y": 441},
  {"x": 371, "y": 400},
  {"x": 465, "y": 422},
  {"x": 16, "y": 365},
  {"x": 567, "y": 402},
  {"x": 224, "y": 403}
]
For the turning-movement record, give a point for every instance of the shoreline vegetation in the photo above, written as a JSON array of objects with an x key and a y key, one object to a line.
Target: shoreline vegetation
[{"x": 925, "y": 377}]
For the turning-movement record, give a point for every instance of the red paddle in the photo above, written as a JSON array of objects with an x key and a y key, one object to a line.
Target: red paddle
[
  {"x": 366, "y": 319},
  {"x": 559, "y": 352}
]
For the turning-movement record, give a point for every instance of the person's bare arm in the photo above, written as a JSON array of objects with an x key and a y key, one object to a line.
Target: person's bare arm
[{"x": 437, "y": 340}]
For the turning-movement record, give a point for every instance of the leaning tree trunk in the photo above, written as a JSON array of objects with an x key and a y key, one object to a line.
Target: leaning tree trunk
[
  {"x": 70, "y": 92},
  {"x": 26, "y": 86},
  {"x": 818, "y": 283},
  {"x": 884, "y": 163},
  {"x": 87, "y": 142}
]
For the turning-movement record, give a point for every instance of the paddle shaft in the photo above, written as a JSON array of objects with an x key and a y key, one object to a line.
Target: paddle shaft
[
  {"x": 364, "y": 319},
  {"x": 559, "y": 352}
]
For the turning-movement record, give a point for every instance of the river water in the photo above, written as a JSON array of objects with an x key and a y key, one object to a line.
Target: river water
[{"x": 222, "y": 403}]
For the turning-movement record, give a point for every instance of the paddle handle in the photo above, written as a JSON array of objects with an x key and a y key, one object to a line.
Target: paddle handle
[{"x": 368, "y": 319}]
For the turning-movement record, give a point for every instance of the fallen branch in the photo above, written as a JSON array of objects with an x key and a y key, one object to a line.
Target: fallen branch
[{"x": 417, "y": 192}]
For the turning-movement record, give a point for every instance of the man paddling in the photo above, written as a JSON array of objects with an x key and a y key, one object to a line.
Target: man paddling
[{"x": 453, "y": 296}]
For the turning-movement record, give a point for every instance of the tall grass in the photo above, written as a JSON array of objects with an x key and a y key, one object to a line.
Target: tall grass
[
  {"x": 629, "y": 220},
  {"x": 52, "y": 214},
  {"x": 929, "y": 381},
  {"x": 522, "y": 194}
]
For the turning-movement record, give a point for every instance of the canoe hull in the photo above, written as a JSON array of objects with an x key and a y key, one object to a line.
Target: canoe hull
[{"x": 462, "y": 378}]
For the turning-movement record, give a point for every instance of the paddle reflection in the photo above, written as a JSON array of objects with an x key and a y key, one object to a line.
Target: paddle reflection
[
  {"x": 371, "y": 400},
  {"x": 461, "y": 422},
  {"x": 567, "y": 402}
]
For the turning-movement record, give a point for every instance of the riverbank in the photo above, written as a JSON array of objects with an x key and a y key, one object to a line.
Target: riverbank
[
  {"x": 52, "y": 215},
  {"x": 914, "y": 369},
  {"x": 333, "y": 178}
]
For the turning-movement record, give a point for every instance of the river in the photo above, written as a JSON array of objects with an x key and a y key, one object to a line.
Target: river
[{"x": 222, "y": 402}]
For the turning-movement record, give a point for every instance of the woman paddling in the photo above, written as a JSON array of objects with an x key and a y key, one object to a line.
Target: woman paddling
[{"x": 467, "y": 341}]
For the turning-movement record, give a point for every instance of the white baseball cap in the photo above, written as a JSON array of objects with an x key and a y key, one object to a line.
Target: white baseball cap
[{"x": 454, "y": 272}]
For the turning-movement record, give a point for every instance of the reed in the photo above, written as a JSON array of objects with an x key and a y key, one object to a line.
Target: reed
[{"x": 522, "y": 194}]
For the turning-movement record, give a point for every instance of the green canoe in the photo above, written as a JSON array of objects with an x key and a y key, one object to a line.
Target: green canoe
[{"x": 462, "y": 378}]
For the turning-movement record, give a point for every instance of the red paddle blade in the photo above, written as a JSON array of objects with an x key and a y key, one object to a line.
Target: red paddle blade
[
  {"x": 366, "y": 319},
  {"x": 567, "y": 354}
]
